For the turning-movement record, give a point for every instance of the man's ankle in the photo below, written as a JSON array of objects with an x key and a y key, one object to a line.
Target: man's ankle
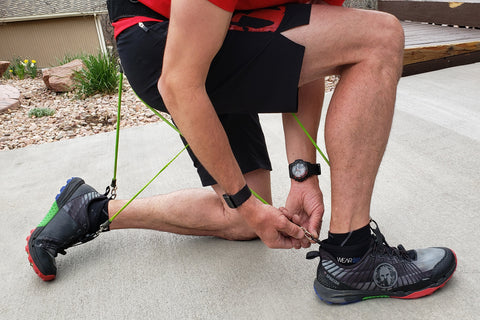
[{"x": 349, "y": 248}]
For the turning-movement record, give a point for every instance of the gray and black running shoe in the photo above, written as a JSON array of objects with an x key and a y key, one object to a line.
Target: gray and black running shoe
[
  {"x": 383, "y": 272},
  {"x": 65, "y": 225}
]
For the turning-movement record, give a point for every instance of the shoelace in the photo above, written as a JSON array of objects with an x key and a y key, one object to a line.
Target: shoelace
[
  {"x": 380, "y": 244},
  {"x": 61, "y": 250}
]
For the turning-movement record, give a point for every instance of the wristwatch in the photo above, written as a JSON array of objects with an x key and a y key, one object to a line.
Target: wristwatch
[
  {"x": 300, "y": 170},
  {"x": 237, "y": 199}
]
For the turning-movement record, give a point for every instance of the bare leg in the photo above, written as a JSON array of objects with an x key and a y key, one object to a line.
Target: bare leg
[
  {"x": 191, "y": 212},
  {"x": 365, "y": 48}
]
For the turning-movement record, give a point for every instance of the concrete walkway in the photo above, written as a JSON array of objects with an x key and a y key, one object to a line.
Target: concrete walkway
[{"x": 427, "y": 194}]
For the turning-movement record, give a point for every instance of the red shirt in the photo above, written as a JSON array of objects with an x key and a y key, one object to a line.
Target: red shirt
[{"x": 163, "y": 7}]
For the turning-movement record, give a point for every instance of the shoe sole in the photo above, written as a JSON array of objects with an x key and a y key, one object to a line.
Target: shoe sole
[
  {"x": 331, "y": 296},
  {"x": 66, "y": 191}
]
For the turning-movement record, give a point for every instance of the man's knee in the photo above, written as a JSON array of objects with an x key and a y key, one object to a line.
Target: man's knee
[{"x": 390, "y": 42}]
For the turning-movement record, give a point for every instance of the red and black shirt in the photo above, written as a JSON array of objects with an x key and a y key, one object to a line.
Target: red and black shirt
[{"x": 163, "y": 8}]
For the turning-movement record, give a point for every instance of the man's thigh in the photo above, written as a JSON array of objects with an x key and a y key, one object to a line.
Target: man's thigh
[{"x": 339, "y": 36}]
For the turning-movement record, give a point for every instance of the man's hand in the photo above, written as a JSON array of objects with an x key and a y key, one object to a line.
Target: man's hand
[
  {"x": 271, "y": 224},
  {"x": 305, "y": 206}
]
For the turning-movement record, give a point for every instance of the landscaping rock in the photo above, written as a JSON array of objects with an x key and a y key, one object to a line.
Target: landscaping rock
[
  {"x": 60, "y": 79},
  {"x": 9, "y": 98},
  {"x": 4, "y": 66}
]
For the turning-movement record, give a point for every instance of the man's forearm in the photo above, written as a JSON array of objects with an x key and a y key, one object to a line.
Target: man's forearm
[
  {"x": 198, "y": 122},
  {"x": 196, "y": 32},
  {"x": 297, "y": 144}
]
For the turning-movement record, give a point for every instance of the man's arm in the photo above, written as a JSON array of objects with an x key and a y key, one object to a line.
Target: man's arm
[
  {"x": 196, "y": 32},
  {"x": 305, "y": 200}
]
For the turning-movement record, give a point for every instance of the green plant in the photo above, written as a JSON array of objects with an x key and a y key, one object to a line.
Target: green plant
[
  {"x": 19, "y": 68},
  {"x": 32, "y": 68},
  {"x": 41, "y": 112},
  {"x": 98, "y": 76}
]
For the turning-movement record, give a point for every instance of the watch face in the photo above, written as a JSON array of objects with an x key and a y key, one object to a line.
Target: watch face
[{"x": 299, "y": 170}]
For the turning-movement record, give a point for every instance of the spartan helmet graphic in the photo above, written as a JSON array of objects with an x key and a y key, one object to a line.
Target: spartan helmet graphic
[{"x": 385, "y": 276}]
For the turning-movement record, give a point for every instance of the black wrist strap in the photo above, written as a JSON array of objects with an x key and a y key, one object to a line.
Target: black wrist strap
[
  {"x": 314, "y": 168},
  {"x": 237, "y": 199}
]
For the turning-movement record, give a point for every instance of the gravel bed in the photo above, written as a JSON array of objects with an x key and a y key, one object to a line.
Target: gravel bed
[{"x": 73, "y": 117}]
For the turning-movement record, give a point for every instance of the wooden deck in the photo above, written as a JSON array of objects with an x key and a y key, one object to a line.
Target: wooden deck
[
  {"x": 431, "y": 42},
  {"x": 425, "y": 42}
]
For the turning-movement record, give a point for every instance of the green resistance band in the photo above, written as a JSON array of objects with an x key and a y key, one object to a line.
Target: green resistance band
[
  {"x": 104, "y": 226},
  {"x": 311, "y": 139}
]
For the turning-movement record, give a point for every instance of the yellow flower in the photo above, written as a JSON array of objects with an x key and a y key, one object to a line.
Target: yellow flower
[
  {"x": 26, "y": 60},
  {"x": 34, "y": 61},
  {"x": 11, "y": 71}
]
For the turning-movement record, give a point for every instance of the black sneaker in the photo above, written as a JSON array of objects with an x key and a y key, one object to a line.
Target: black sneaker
[
  {"x": 383, "y": 272},
  {"x": 65, "y": 225}
]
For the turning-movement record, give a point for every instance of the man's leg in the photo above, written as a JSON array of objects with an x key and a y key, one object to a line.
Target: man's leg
[
  {"x": 78, "y": 211},
  {"x": 365, "y": 48},
  {"x": 191, "y": 212}
]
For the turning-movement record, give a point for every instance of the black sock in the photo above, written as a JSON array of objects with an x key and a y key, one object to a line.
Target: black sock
[
  {"x": 349, "y": 248},
  {"x": 97, "y": 213}
]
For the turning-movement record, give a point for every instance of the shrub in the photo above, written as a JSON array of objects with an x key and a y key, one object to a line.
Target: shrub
[
  {"x": 41, "y": 112},
  {"x": 98, "y": 76}
]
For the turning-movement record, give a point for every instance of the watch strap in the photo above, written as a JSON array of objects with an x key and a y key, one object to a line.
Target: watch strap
[
  {"x": 237, "y": 199},
  {"x": 314, "y": 169}
]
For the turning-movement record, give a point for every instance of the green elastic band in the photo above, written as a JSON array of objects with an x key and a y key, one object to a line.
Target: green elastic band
[
  {"x": 311, "y": 139},
  {"x": 144, "y": 187},
  {"x": 258, "y": 196},
  {"x": 160, "y": 115},
  {"x": 117, "y": 137}
]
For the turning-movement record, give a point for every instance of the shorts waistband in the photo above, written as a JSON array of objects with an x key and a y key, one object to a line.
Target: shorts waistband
[{"x": 118, "y": 9}]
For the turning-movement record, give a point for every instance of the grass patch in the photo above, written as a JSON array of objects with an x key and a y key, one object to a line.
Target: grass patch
[
  {"x": 41, "y": 112},
  {"x": 100, "y": 75}
]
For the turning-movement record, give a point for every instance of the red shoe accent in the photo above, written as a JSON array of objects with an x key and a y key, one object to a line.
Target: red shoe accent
[
  {"x": 35, "y": 268},
  {"x": 429, "y": 291}
]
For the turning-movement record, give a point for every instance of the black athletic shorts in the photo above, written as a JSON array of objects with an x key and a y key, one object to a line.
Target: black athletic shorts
[{"x": 256, "y": 71}]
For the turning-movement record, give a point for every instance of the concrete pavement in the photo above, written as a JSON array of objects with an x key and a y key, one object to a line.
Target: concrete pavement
[{"x": 427, "y": 194}]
